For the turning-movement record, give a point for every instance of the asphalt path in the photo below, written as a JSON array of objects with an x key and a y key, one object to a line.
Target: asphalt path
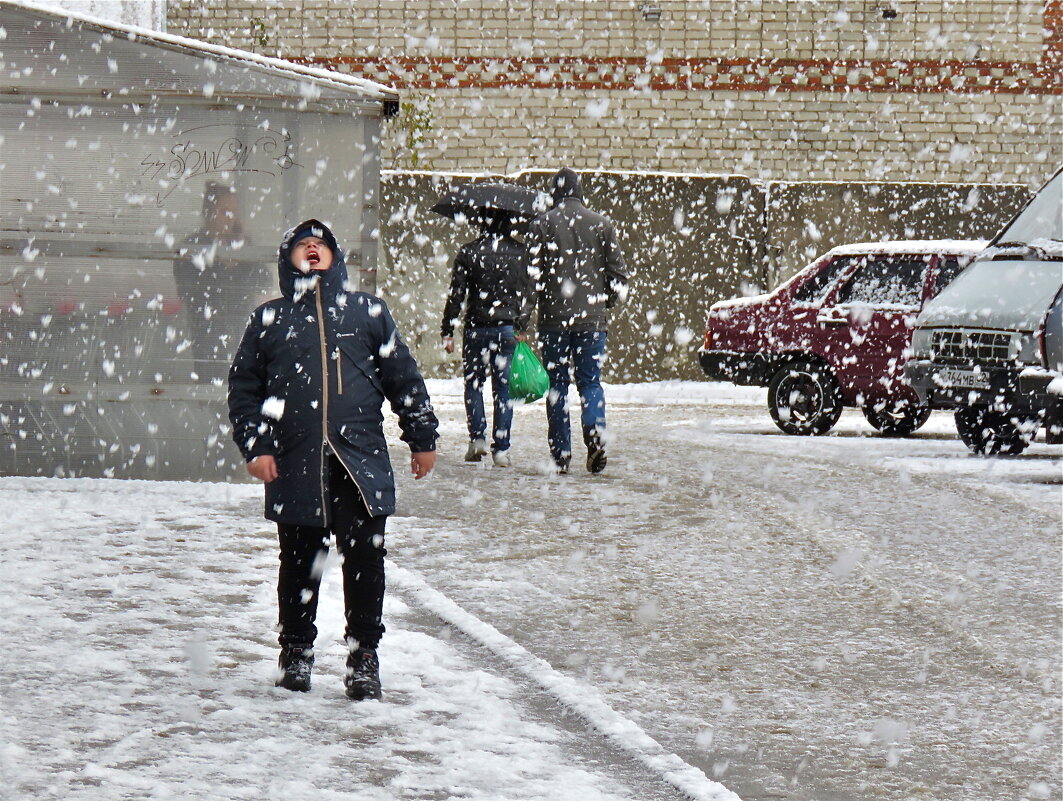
[{"x": 834, "y": 618}]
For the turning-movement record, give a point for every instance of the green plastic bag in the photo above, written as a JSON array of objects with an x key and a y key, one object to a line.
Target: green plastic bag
[{"x": 528, "y": 380}]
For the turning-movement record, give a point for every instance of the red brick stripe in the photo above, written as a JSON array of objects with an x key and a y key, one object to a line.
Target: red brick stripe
[
  {"x": 712, "y": 74},
  {"x": 1053, "y": 22}
]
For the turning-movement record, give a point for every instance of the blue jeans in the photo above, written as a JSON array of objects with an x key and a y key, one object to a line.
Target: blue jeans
[
  {"x": 582, "y": 352},
  {"x": 483, "y": 351}
]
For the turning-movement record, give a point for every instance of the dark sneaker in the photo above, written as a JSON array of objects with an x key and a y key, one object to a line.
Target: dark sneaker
[
  {"x": 476, "y": 451},
  {"x": 296, "y": 663},
  {"x": 363, "y": 675},
  {"x": 562, "y": 464},
  {"x": 595, "y": 454}
]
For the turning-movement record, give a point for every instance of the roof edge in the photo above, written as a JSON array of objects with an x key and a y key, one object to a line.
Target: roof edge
[{"x": 375, "y": 90}]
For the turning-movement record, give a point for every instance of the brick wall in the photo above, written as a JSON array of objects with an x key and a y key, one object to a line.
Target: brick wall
[{"x": 893, "y": 90}]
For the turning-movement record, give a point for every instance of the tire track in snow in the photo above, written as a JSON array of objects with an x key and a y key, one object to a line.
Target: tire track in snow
[
  {"x": 574, "y": 695},
  {"x": 817, "y": 528},
  {"x": 589, "y": 550}
]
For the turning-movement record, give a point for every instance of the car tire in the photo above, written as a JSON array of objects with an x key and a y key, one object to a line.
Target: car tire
[
  {"x": 897, "y": 418},
  {"x": 991, "y": 432},
  {"x": 804, "y": 398}
]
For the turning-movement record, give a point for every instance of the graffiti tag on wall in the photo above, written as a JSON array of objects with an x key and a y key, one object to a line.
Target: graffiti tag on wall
[{"x": 218, "y": 150}]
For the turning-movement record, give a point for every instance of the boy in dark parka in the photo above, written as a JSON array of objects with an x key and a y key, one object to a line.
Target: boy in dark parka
[{"x": 306, "y": 389}]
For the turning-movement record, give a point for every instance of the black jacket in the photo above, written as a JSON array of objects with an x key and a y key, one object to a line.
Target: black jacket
[
  {"x": 312, "y": 372},
  {"x": 491, "y": 279},
  {"x": 580, "y": 270}
]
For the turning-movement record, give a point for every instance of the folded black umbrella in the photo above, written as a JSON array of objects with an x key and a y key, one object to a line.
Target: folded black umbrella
[{"x": 490, "y": 201}]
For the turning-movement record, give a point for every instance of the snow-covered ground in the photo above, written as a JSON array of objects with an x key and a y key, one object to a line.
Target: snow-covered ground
[
  {"x": 138, "y": 623},
  {"x": 835, "y": 618}
]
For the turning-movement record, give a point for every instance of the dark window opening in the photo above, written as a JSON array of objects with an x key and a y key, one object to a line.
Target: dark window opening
[{"x": 815, "y": 288}]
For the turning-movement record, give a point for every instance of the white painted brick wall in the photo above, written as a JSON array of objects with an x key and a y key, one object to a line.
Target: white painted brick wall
[{"x": 774, "y": 135}]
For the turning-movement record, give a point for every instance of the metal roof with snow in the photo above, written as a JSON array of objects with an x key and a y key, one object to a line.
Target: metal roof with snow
[
  {"x": 136, "y": 63},
  {"x": 145, "y": 181}
]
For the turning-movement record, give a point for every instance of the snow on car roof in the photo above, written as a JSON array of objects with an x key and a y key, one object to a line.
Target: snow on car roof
[
  {"x": 958, "y": 246},
  {"x": 921, "y": 247}
]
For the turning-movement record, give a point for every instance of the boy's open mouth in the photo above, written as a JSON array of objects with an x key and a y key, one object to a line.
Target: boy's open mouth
[{"x": 313, "y": 258}]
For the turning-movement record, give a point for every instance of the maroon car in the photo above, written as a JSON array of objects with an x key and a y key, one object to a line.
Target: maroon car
[{"x": 836, "y": 334}]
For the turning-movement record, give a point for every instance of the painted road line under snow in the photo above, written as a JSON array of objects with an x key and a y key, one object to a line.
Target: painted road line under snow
[{"x": 575, "y": 695}]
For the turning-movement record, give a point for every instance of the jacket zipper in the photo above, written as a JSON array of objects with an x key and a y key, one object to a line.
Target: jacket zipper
[
  {"x": 324, "y": 415},
  {"x": 339, "y": 370},
  {"x": 324, "y": 404}
]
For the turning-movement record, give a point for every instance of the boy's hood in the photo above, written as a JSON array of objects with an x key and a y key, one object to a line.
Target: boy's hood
[{"x": 295, "y": 283}]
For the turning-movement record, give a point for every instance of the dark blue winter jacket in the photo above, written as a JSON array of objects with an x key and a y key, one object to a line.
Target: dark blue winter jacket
[{"x": 311, "y": 374}]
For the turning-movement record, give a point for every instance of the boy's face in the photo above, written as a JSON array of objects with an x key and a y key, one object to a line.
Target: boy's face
[{"x": 311, "y": 253}]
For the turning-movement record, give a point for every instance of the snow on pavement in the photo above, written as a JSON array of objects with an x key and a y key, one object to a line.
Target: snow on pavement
[
  {"x": 849, "y": 616},
  {"x": 139, "y": 622},
  {"x": 139, "y": 618},
  {"x": 573, "y": 694}
]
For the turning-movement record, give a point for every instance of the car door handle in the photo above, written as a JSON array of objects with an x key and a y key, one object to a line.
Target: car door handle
[{"x": 833, "y": 321}]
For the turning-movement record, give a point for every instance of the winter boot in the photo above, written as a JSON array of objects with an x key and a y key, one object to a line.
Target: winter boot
[
  {"x": 561, "y": 463},
  {"x": 295, "y": 664},
  {"x": 476, "y": 451},
  {"x": 363, "y": 675},
  {"x": 501, "y": 458},
  {"x": 595, "y": 451}
]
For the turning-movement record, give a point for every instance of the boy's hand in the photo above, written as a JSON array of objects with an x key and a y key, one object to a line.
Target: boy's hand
[
  {"x": 448, "y": 344},
  {"x": 421, "y": 464},
  {"x": 263, "y": 468}
]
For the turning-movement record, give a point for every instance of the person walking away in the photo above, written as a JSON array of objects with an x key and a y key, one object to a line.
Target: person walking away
[
  {"x": 580, "y": 275},
  {"x": 306, "y": 389},
  {"x": 490, "y": 279}
]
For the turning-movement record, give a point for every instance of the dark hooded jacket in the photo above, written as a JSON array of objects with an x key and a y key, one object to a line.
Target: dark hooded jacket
[
  {"x": 311, "y": 374},
  {"x": 490, "y": 279},
  {"x": 580, "y": 270}
]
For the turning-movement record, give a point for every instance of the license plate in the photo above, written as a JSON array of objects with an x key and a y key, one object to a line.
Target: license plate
[{"x": 961, "y": 379}]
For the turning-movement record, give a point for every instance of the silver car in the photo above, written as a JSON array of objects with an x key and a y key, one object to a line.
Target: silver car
[{"x": 989, "y": 346}]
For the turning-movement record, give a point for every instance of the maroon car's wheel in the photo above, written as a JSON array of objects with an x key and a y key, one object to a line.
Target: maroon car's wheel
[
  {"x": 804, "y": 399},
  {"x": 897, "y": 418}
]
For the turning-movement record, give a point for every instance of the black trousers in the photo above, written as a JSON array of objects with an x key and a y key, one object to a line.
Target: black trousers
[{"x": 303, "y": 549}]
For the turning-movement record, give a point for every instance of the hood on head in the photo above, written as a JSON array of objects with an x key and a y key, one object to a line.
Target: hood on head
[
  {"x": 331, "y": 281},
  {"x": 304, "y": 229},
  {"x": 565, "y": 184}
]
